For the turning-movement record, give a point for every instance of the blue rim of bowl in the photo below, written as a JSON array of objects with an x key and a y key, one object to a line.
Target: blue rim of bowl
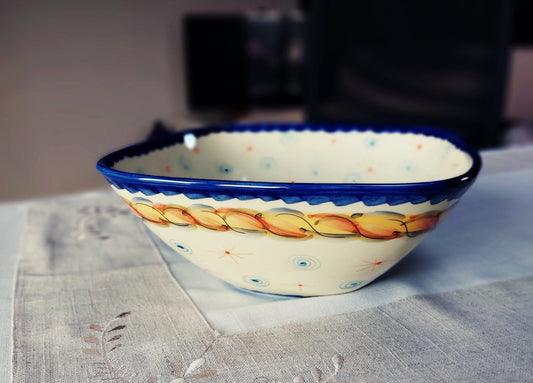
[{"x": 340, "y": 194}]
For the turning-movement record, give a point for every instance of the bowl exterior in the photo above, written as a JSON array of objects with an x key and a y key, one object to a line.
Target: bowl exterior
[
  {"x": 298, "y": 249},
  {"x": 284, "y": 238}
]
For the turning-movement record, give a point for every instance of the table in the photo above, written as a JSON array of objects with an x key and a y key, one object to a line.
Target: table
[{"x": 97, "y": 298}]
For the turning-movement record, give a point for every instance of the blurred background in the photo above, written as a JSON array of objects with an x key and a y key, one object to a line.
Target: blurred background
[{"x": 79, "y": 79}]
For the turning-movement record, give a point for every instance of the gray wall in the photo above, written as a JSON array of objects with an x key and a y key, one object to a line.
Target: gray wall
[{"x": 81, "y": 78}]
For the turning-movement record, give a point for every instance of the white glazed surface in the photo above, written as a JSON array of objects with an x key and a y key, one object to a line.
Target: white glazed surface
[
  {"x": 295, "y": 248},
  {"x": 314, "y": 265},
  {"x": 310, "y": 157}
]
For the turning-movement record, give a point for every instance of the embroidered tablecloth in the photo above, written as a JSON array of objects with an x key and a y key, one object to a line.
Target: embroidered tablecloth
[{"x": 96, "y": 300}]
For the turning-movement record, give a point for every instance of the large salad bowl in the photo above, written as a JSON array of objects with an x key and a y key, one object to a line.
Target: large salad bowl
[{"x": 295, "y": 209}]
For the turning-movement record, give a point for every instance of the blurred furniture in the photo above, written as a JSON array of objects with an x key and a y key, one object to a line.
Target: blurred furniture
[
  {"x": 437, "y": 63},
  {"x": 237, "y": 61}
]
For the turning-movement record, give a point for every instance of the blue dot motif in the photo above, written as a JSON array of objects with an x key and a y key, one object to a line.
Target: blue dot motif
[
  {"x": 304, "y": 263},
  {"x": 180, "y": 247},
  {"x": 267, "y": 163},
  {"x": 185, "y": 163},
  {"x": 350, "y": 285},
  {"x": 225, "y": 168},
  {"x": 372, "y": 142},
  {"x": 352, "y": 178},
  {"x": 288, "y": 138},
  {"x": 255, "y": 281}
]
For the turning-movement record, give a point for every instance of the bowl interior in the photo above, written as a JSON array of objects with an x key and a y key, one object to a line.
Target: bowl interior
[{"x": 304, "y": 157}]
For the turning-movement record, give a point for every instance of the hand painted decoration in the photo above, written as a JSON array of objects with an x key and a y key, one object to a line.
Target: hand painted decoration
[
  {"x": 297, "y": 209},
  {"x": 289, "y": 223}
]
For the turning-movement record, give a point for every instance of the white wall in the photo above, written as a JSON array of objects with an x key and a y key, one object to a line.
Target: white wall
[{"x": 81, "y": 78}]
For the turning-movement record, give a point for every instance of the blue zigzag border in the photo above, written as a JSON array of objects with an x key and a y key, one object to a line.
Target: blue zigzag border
[{"x": 314, "y": 194}]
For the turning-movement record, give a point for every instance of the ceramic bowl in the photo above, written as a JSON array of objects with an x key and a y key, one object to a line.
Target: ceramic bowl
[{"x": 294, "y": 209}]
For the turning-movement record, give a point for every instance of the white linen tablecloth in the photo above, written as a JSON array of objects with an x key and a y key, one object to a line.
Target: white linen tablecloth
[{"x": 469, "y": 269}]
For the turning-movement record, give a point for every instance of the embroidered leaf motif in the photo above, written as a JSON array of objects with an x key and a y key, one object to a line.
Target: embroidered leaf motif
[
  {"x": 116, "y": 337},
  {"x": 194, "y": 366},
  {"x": 176, "y": 367},
  {"x": 204, "y": 374},
  {"x": 317, "y": 374},
  {"x": 91, "y": 351},
  {"x": 298, "y": 379},
  {"x": 337, "y": 362},
  {"x": 95, "y": 327},
  {"x": 115, "y": 347},
  {"x": 118, "y": 328},
  {"x": 91, "y": 339},
  {"x": 124, "y": 314}
]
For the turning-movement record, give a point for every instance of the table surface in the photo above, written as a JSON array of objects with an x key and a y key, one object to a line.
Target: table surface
[{"x": 497, "y": 211}]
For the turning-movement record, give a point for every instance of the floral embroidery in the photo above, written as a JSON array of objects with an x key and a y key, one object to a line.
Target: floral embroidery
[
  {"x": 316, "y": 373},
  {"x": 87, "y": 224},
  {"x": 289, "y": 223},
  {"x": 109, "y": 340}
]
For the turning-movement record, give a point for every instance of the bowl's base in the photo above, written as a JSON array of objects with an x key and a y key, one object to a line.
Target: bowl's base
[
  {"x": 304, "y": 268},
  {"x": 294, "y": 293}
]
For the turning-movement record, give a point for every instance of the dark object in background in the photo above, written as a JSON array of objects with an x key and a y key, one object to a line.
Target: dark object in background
[
  {"x": 240, "y": 61},
  {"x": 214, "y": 61},
  {"x": 434, "y": 63},
  {"x": 440, "y": 63},
  {"x": 522, "y": 25},
  {"x": 160, "y": 129}
]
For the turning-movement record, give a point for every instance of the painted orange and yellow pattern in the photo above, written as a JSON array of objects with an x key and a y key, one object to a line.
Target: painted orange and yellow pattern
[{"x": 289, "y": 223}]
